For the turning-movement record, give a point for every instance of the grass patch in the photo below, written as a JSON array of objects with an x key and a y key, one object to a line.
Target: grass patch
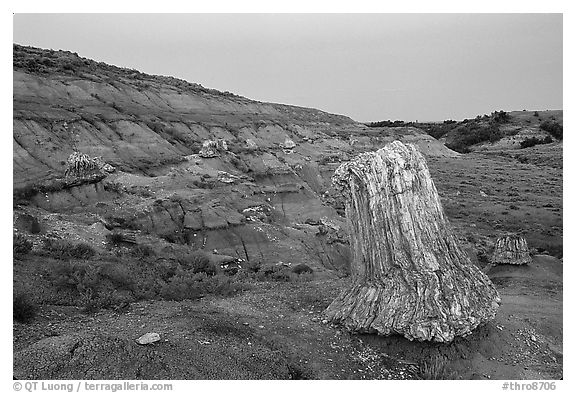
[
  {"x": 21, "y": 245},
  {"x": 535, "y": 141},
  {"x": 435, "y": 367},
  {"x": 63, "y": 249},
  {"x": 198, "y": 262},
  {"x": 189, "y": 285}
]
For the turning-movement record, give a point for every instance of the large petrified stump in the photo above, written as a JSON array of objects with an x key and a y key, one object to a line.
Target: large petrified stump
[
  {"x": 409, "y": 274},
  {"x": 511, "y": 249}
]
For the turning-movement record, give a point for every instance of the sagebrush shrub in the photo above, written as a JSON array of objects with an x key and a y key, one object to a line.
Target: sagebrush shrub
[
  {"x": 62, "y": 249},
  {"x": 142, "y": 251},
  {"x": 24, "y": 309},
  {"x": 20, "y": 244},
  {"x": 94, "y": 286},
  {"x": 302, "y": 268},
  {"x": 115, "y": 238},
  {"x": 435, "y": 368},
  {"x": 189, "y": 285},
  {"x": 184, "y": 285},
  {"x": 198, "y": 262}
]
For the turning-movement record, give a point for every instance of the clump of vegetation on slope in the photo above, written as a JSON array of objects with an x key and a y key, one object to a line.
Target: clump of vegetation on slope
[
  {"x": 133, "y": 272},
  {"x": 20, "y": 244},
  {"x": 535, "y": 141},
  {"x": 472, "y": 132},
  {"x": 62, "y": 249},
  {"x": 553, "y": 128},
  {"x": 460, "y": 135}
]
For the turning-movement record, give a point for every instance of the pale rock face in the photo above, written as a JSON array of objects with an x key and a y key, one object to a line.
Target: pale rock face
[
  {"x": 410, "y": 276},
  {"x": 511, "y": 249},
  {"x": 289, "y": 144},
  {"x": 251, "y": 144},
  {"x": 211, "y": 148}
]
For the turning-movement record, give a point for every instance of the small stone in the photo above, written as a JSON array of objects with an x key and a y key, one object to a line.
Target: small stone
[
  {"x": 148, "y": 338},
  {"x": 533, "y": 338},
  {"x": 324, "y": 321},
  {"x": 261, "y": 326}
]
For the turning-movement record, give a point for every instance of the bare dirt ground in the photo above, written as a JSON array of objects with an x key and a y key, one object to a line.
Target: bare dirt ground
[{"x": 276, "y": 330}]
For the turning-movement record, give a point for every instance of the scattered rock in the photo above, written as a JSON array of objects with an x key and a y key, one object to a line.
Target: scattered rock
[
  {"x": 148, "y": 338},
  {"x": 251, "y": 144},
  {"x": 211, "y": 149}
]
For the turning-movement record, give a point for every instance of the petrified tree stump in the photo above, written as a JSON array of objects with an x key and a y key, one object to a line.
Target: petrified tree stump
[
  {"x": 511, "y": 249},
  {"x": 409, "y": 275}
]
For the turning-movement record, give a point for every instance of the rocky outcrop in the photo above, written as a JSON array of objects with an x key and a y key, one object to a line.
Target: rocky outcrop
[
  {"x": 211, "y": 149},
  {"x": 289, "y": 144},
  {"x": 410, "y": 276},
  {"x": 511, "y": 249}
]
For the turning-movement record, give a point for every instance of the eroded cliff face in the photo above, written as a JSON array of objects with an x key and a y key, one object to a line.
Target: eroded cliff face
[
  {"x": 266, "y": 197},
  {"x": 410, "y": 275}
]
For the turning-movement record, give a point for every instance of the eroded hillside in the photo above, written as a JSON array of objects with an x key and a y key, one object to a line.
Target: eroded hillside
[{"x": 149, "y": 244}]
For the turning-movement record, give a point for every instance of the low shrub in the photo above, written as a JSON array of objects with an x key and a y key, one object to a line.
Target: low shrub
[
  {"x": 63, "y": 249},
  {"x": 302, "y": 268},
  {"x": 118, "y": 275},
  {"x": 535, "y": 141},
  {"x": 252, "y": 266},
  {"x": 24, "y": 309},
  {"x": 75, "y": 276},
  {"x": 298, "y": 372},
  {"x": 276, "y": 273},
  {"x": 500, "y": 117},
  {"x": 142, "y": 251},
  {"x": 115, "y": 238},
  {"x": 94, "y": 286},
  {"x": 553, "y": 128},
  {"x": 174, "y": 238},
  {"x": 198, "y": 262},
  {"x": 20, "y": 244},
  {"x": 435, "y": 367},
  {"x": 189, "y": 285}
]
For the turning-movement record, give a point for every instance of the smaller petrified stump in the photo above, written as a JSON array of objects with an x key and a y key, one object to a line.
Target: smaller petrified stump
[{"x": 511, "y": 249}]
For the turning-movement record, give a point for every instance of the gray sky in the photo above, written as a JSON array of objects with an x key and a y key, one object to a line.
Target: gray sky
[{"x": 367, "y": 66}]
